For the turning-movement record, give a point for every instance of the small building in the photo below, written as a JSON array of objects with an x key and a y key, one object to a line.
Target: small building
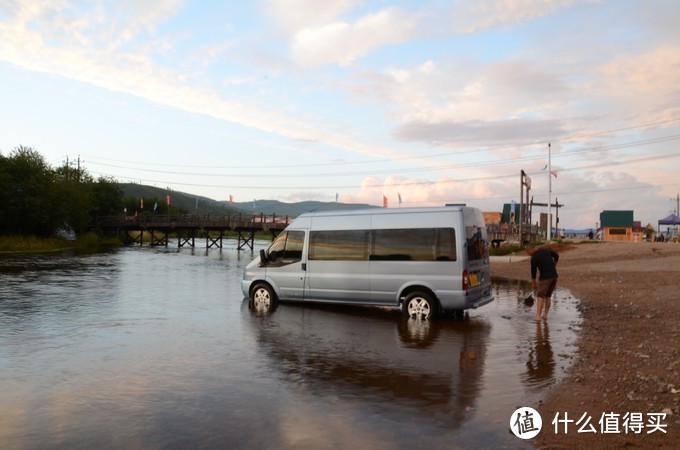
[
  {"x": 492, "y": 218},
  {"x": 620, "y": 226}
]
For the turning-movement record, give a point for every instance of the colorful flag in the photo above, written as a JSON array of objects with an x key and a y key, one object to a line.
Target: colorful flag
[{"x": 167, "y": 199}]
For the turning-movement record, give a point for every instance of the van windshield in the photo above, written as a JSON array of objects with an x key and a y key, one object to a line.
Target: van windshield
[{"x": 477, "y": 247}]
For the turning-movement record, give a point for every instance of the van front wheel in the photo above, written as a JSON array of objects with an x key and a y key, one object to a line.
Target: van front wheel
[
  {"x": 262, "y": 298},
  {"x": 419, "y": 305}
]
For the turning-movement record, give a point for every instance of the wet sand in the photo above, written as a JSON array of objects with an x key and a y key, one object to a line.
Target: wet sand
[{"x": 628, "y": 357}]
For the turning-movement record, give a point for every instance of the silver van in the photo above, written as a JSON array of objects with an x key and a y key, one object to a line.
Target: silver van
[{"x": 424, "y": 260}]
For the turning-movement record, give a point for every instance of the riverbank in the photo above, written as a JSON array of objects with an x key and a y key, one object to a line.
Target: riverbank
[
  {"x": 33, "y": 244},
  {"x": 628, "y": 355}
]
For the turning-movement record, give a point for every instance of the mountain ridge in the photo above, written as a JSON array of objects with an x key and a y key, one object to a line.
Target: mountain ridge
[{"x": 205, "y": 205}]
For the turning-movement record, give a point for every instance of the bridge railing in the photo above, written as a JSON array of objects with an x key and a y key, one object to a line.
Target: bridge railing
[{"x": 228, "y": 221}]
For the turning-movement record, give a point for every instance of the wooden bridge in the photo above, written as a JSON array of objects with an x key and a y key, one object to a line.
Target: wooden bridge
[{"x": 188, "y": 226}]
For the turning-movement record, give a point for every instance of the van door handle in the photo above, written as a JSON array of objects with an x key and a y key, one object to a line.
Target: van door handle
[{"x": 304, "y": 266}]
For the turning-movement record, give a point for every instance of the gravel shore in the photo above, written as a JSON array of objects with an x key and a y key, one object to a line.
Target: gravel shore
[{"x": 628, "y": 357}]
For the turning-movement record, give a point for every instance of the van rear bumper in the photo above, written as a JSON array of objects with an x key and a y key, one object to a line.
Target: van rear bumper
[
  {"x": 482, "y": 301},
  {"x": 483, "y": 294},
  {"x": 472, "y": 298}
]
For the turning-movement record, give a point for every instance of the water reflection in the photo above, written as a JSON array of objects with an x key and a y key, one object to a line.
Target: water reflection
[
  {"x": 433, "y": 367},
  {"x": 541, "y": 362}
]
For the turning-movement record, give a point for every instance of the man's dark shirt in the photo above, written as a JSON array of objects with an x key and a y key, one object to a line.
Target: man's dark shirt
[{"x": 544, "y": 259}]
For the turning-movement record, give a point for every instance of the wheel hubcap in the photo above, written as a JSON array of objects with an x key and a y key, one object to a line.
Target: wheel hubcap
[
  {"x": 261, "y": 299},
  {"x": 419, "y": 308}
]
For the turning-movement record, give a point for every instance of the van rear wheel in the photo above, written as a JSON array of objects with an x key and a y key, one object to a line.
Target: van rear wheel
[
  {"x": 262, "y": 298},
  {"x": 419, "y": 305}
]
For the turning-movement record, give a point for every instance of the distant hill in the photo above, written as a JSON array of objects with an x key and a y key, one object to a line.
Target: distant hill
[
  {"x": 180, "y": 199},
  {"x": 294, "y": 209},
  {"x": 220, "y": 207}
]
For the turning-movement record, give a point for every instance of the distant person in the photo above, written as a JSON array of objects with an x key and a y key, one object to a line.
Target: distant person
[{"x": 545, "y": 260}]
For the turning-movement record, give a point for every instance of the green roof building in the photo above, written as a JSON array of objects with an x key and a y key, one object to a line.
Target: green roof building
[{"x": 618, "y": 226}]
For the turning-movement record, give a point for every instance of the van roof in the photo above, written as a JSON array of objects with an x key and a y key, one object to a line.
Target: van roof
[{"x": 381, "y": 211}]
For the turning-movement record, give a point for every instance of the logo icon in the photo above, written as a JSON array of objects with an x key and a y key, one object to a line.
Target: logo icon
[{"x": 526, "y": 423}]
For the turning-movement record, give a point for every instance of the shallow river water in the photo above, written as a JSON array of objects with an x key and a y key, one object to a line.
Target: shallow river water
[{"x": 156, "y": 348}]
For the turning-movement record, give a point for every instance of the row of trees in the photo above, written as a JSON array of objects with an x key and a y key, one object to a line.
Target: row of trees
[{"x": 36, "y": 199}]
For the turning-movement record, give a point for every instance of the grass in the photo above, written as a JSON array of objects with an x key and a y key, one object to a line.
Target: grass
[
  {"x": 33, "y": 244},
  {"x": 504, "y": 250}
]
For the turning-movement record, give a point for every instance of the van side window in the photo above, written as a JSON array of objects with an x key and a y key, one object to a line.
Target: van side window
[
  {"x": 286, "y": 249},
  {"x": 414, "y": 244},
  {"x": 446, "y": 244},
  {"x": 339, "y": 245}
]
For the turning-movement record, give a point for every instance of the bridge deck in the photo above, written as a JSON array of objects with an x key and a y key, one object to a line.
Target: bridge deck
[{"x": 244, "y": 224}]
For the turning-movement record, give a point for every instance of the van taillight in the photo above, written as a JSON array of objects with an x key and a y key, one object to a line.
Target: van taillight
[{"x": 465, "y": 280}]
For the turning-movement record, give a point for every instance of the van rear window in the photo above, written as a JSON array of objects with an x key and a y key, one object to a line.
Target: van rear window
[{"x": 477, "y": 245}]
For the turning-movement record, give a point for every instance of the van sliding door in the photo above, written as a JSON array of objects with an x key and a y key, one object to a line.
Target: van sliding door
[{"x": 337, "y": 269}]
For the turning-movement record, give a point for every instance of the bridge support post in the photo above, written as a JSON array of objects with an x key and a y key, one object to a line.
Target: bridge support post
[
  {"x": 161, "y": 240},
  {"x": 130, "y": 239},
  {"x": 246, "y": 240},
  {"x": 190, "y": 240},
  {"x": 217, "y": 242}
]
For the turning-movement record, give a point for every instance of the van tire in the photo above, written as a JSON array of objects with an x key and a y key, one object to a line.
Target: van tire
[
  {"x": 262, "y": 298},
  {"x": 420, "y": 305}
]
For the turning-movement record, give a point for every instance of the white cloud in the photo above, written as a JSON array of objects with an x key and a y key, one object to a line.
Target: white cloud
[
  {"x": 31, "y": 42},
  {"x": 468, "y": 17},
  {"x": 418, "y": 192},
  {"x": 294, "y": 15},
  {"x": 645, "y": 82},
  {"x": 341, "y": 42}
]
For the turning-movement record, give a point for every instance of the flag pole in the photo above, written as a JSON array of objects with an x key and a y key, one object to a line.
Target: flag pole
[{"x": 549, "y": 228}]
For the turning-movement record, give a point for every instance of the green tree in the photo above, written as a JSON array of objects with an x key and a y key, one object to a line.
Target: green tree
[
  {"x": 37, "y": 200},
  {"x": 73, "y": 198},
  {"x": 107, "y": 198},
  {"x": 27, "y": 187}
]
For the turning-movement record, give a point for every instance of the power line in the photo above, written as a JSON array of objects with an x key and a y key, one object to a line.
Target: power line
[
  {"x": 412, "y": 170},
  {"x": 400, "y": 159},
  {"x": 410, "y": 183}
]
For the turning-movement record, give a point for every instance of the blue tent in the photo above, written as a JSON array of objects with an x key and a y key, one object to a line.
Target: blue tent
[
  {"x": 670, "y": 220},
  {"x": 673, "y": 219}
]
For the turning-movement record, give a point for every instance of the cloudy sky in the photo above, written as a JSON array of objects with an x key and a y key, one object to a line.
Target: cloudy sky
[{"x": 436, "y": 101}]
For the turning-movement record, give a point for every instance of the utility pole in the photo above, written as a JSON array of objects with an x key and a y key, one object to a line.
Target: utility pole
[
  {"x": 521, "y": 199},
  {"x": 548, "y": 235},
  {"x": 524, "y": 217}
]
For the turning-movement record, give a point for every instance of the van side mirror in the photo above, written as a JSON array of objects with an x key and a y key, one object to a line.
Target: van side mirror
[{"x": 263, "y": 257}]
